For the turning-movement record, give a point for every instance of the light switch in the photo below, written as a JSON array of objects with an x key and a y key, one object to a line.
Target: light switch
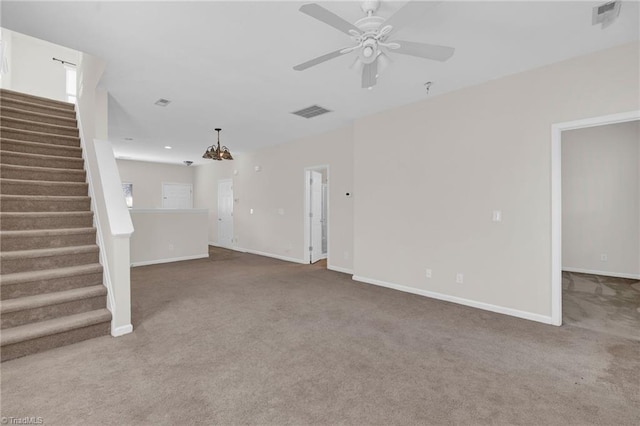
[
  {"x": 250, "y": 211},
  {"x": 497, "y": 216}
]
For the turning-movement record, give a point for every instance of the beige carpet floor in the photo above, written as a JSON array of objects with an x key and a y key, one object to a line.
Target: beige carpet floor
[
  {"x": 243, "y": 339},
  {"x": 606, "y": 304}
]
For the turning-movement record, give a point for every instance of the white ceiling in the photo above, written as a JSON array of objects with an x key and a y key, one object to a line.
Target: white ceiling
[{"x": 229, "y": 64}]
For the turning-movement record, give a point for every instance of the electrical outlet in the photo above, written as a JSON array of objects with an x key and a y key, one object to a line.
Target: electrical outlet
[
  {"x": 459, "y": 278},
  {"x": 346, "y": 255},
  {"x": 604, "y": 257},
  {"x": 428, "y": 273}
]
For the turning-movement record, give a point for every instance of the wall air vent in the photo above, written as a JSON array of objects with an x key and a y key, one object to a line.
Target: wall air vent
[
  {"x": 162, "y": 102},
  {"x": 606, "y": 13},
  {"x": 312, "y": 111}
]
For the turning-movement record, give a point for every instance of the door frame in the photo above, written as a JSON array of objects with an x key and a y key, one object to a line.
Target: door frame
[
  {"x": 305, "y": 206},
  {"x": 219, "y": 244},
  {"x": 556, "y": 197}
]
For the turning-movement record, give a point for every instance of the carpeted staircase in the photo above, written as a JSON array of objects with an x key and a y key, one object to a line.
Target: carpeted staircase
[{"x": 51, "y": 287}]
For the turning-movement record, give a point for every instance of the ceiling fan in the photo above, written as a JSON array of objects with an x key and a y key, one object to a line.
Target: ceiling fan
[{"x": 371, "y": 36}]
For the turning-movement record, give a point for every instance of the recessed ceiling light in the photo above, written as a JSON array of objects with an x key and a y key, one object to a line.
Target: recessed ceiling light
[
  {"x": 168, "y": 147},
  {"x": 162, "y": 102}
]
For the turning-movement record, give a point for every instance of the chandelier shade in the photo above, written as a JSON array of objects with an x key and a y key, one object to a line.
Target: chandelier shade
[{"x": 216, "y": 152}]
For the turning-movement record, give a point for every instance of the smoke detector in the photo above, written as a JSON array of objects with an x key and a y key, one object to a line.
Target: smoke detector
[{"x": 606, "y": 13}]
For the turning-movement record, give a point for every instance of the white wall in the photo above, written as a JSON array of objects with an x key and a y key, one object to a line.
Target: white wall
[
  {"x": 459, "y": 156},
  {"x": 168, "y": 236},
  {"x": 279, "y": 187},
  {"x": 111, "y": 217},
  {"x": 7, "y": 44},
  {"x": 34, "y": 71},
  {"x": 147, "y": 179},
  {"x": 601, "y": 199}
]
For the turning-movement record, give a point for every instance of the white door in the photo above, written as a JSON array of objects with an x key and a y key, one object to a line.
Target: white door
[
  {"x": 225, "y": 213},
  {"x": 177, "y": 196},
  {"x": 315, "y": 215}
]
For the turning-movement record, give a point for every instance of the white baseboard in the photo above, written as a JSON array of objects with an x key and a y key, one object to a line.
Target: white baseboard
[
  {"x": 122, "y": 330},
  {"x": 459, "y": 300},
  {"x": 275, "y": 256},
  {"x": 603, "y": 273},
  {"x": 169, "y": 260},
  {"x": 340, "y": 269}
]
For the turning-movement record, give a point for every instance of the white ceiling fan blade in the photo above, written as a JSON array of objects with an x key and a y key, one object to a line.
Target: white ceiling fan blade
[
  {"x": 424, "y": 50},
  {"x": 370, "y": 75},
  {"x": 319, "y": 60},
  {"x": 411, "y": 11},
  {"x": 350, "y": 49},
  {"x": 329, "y": 18}
]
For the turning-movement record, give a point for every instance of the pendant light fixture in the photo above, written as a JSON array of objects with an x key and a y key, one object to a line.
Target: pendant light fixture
[{"x": 217, "y": 153}]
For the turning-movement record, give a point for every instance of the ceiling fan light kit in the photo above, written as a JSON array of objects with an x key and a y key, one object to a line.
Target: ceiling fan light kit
[
  {"x": 216, "y": 152},
  {"x": 371, "y": 37}
]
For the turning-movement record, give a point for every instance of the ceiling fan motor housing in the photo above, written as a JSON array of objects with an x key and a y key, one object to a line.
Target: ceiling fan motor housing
[{"x": 369, "y": 26}]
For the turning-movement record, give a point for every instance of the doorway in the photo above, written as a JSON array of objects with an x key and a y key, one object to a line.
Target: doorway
[
  {"x": 316, "y": 208},
  {"x": 225, "y": 213},
  {"x": 595, "y": 283}
]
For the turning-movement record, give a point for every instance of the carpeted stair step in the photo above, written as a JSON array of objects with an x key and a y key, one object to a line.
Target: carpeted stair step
[
  {"x": 40, "y": 259},
  {"x": 51, "y": 281},
  {"x": 42, "y": 307},
  {"x": 36, "y": 117},
  {"x": 15, "y": 221},
  {"x": 24, "y": 97},
  {"x": 38, "y": 160},
  {"x": 46, "y": 238},
  {"x": 31, "y": 283},
  {"x": 11, "y": 171},
  {"x": 34, "y": 107},
  {"x": 43, "y": 335},
  {"x": 30, "y": 136},
  {"x": 44, "y": 203},
  {"x": 41, "y": 187},
  {"x": 16, "y": 123},
  {"x": 13, "y": 145}
]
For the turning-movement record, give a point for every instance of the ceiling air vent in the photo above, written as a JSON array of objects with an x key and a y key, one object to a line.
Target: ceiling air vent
[
  {"x": 312, "y": 111},
  {"x": 162, "y": 102},
  {"x": 606, "y": 13}
]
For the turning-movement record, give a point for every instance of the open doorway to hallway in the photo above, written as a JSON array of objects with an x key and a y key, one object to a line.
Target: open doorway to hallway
[
  {"x": 316, "y": 223},
  {"x": 600, "y": 186}
]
